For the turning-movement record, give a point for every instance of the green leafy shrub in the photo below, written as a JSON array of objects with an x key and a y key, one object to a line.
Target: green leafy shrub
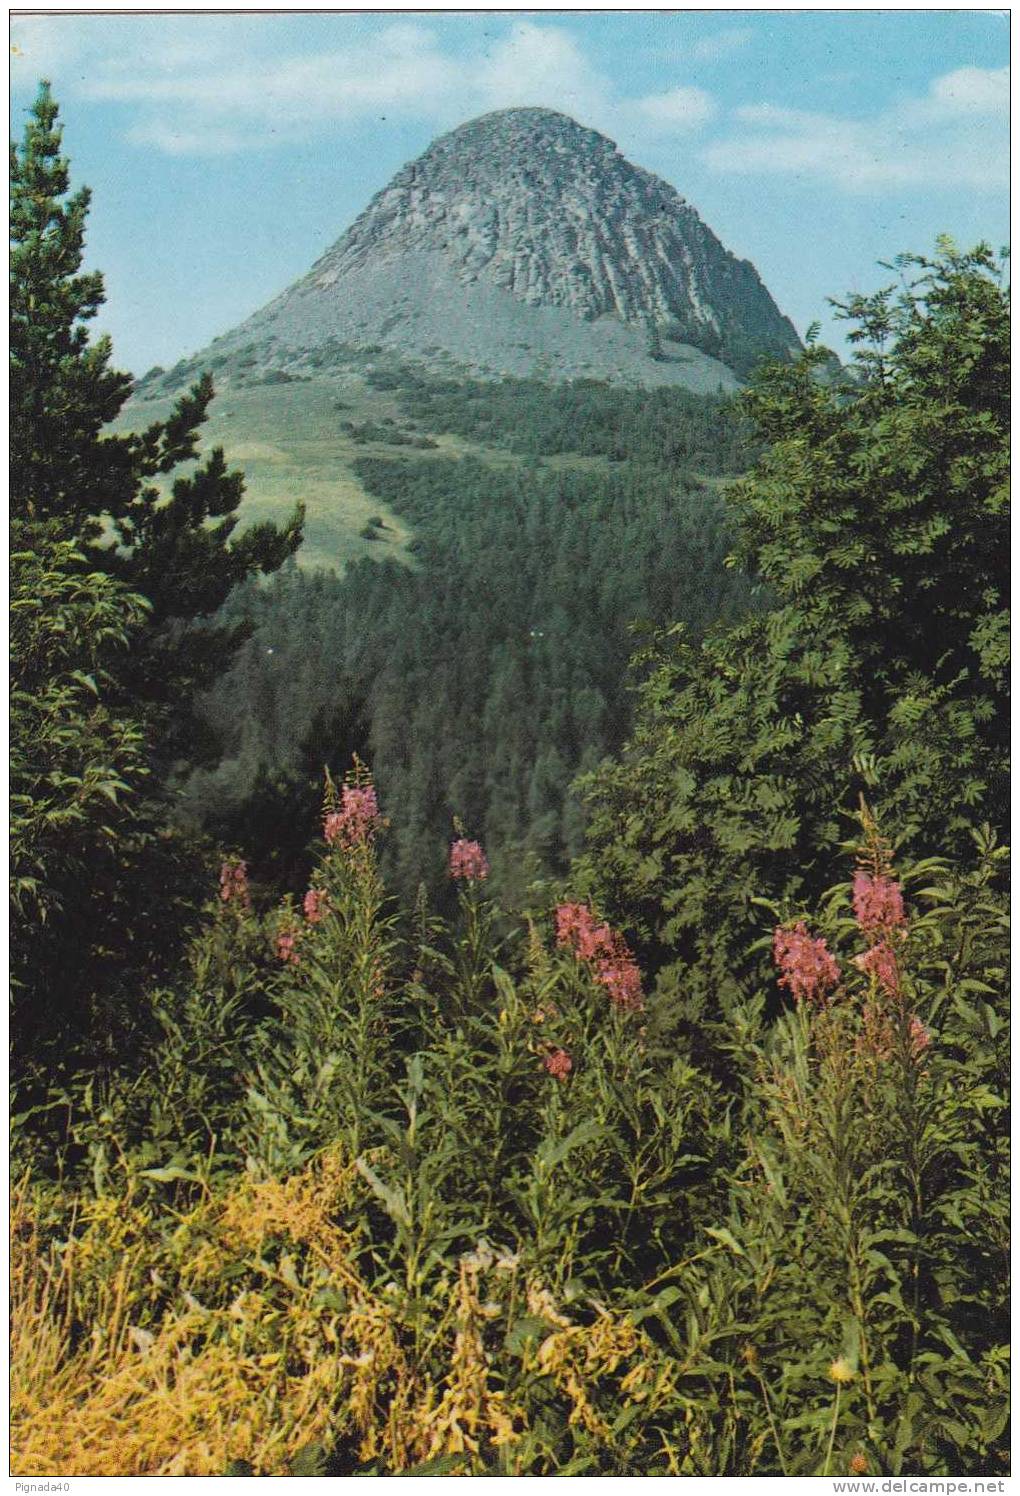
[
  {"x": 77, "y": 757},
  {"x": 876, "y": 517}
]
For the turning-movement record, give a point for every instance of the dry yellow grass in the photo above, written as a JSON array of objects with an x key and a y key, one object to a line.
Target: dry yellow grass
[
  {"x": 241, "y": 1329},
  {"x": 111, "y": 1374}
]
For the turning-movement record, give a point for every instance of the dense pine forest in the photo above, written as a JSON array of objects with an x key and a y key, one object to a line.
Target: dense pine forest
[
  {"x": 536, "y": 1010},
  {"x": 479, "y": 683}
]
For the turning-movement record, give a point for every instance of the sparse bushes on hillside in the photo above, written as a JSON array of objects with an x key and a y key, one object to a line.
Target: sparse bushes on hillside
[
  {"x": 664, "y": 426},
  {"x": 387, "y": 432}
]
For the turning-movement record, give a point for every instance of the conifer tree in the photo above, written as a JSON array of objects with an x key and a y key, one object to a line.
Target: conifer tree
[
  {"x": 74, "y": 480},
  {"x": 100, "y": 882}
]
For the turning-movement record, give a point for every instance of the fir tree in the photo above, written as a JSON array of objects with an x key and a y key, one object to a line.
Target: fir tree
[
  {"x": 118, "y": 557},
  {"x": 72, "y": 479}
]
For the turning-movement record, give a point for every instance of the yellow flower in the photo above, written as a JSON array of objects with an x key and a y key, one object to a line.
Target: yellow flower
[{"x": 841, "y": 1370}]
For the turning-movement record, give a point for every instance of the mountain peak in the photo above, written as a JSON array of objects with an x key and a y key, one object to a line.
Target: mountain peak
[
  {"x": 512, "y": 124},
  {"x": 517, "y": 139},
  {"x": 526, "y": 208}
]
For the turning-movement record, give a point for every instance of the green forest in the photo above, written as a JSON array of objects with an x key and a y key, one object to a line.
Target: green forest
[
  {"x": 539, "y": 1006},
  {"x": 479, "y": 683}
]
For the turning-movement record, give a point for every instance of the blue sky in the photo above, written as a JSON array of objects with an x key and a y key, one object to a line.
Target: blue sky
[{"x": 226, "y": 152}]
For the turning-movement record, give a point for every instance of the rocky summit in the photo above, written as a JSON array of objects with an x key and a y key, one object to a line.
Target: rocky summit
[{"x": 523, "y": 242}]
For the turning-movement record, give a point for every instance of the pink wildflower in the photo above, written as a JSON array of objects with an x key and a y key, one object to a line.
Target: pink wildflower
[
  {"x": 286, "y": 942},
  {"x": 358, "y": 818},
  {"x": 807, "y": 965},
  {"x": 880, "y": 962},
  {"x": 621, "y": 978},
  {"x": 920, "y": 1039},
  {"x": 571, "y": 921},
  {"x": 599, "y": 943},
  {"x": 559, "y": 1064},
  {"x": 878, "y": 904},
  {"x": 467, "y": 860},
  {"x": 316, "y": 902},
  {"x": 576, "y": 927},
  {"x": 605, "y": 950},
  {"x": 234, "y": 882}
]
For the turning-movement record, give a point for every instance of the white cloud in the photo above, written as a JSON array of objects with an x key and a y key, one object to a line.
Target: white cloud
[
  {"x": 188, "y": 100},
  {"x": 227, "y": 84},
  {"x": 974, "y": 91},
  {"x": 215, "y": 108},
  {"x": 537, "y": 65},
  {"x": 954, "y": 136},
  {"x": 682, "y": 108}
]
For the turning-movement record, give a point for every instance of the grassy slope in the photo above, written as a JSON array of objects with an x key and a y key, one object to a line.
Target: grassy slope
[{"x": 290, "y": 442}]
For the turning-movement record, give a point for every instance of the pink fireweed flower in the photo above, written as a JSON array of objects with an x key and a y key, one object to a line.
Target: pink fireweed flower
[
  {"x": 234, "y": 882},
  {"x": 577, "y": 927},
  {"x": 559, "y": 1064},
  {"x": 808, "y": 968},
  {"x": 920, "y": 1039},
  {"x": 621, "y": 978},
  {"x": 467, "y": 860},
  {"x": 605, "y": 951},
  {"x": 571, "y": 920},
  {"x": 880, "y": 962},
  {"x": 878, "y": 904},
  {"x": 358, "y": 818},
  {"x": 286, "y": 942},
  {"x": 316, "y": 902},
  {"x": 598, "y": 943}
]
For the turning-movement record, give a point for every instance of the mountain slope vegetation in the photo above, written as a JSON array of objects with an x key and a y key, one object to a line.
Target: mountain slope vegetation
[{"x": 487, "y": 676}]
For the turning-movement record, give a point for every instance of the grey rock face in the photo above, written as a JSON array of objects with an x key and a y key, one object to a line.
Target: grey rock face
[{"x": 531, "y": 206}]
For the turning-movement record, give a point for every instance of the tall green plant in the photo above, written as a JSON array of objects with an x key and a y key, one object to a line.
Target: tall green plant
[
  {"x": 857, "y": 1308},
  {"x": 321, "y": 1064}
]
